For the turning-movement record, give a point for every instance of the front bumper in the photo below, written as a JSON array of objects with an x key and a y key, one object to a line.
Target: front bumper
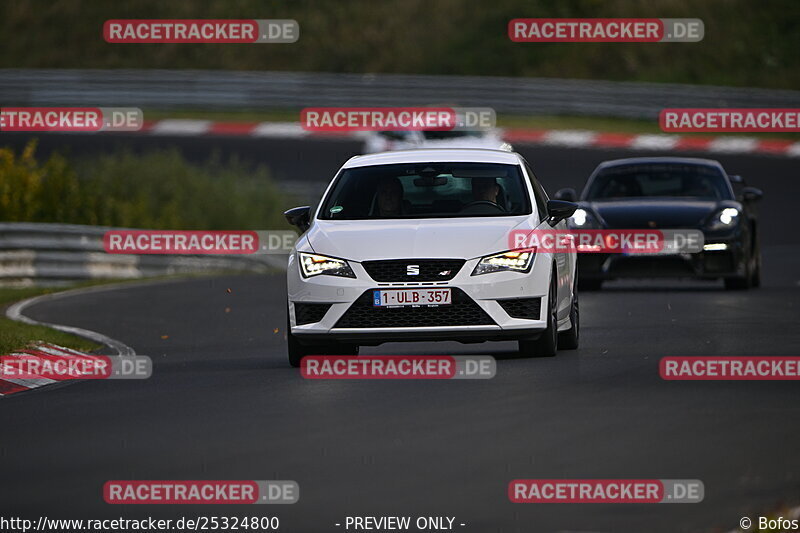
[
  {"x": 729, "y": 262},
  {"x": 480, "y": 310}
]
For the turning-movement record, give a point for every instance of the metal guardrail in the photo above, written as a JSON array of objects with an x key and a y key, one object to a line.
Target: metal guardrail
[
  {"x": 176, "y": 89},
  {"x": 52, "y": 253}
]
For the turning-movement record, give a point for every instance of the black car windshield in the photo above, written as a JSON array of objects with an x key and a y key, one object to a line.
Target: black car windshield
[
  {"x": 450, "y": 134},
  {"x": 659, "y": 180},
  {"x": 427, "y": 190}
]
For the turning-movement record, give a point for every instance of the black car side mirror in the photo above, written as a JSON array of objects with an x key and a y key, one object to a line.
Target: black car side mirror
[
  {"x": 299, "y": 216},
  {"x": 568, "y": 195},
  {"x": 559, "y": 210},
  {"x": 751, "y": 194}
]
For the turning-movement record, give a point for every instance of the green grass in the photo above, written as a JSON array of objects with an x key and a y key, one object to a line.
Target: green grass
[{"x": 16, "y": 335}]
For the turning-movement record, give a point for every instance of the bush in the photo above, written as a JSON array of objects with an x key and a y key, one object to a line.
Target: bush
[{"x": 158, "y": 190}]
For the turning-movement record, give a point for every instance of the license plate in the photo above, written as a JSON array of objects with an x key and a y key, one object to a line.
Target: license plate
[
  {"x": 667, "y": 248},
  {"x": 413, "y": 297}
]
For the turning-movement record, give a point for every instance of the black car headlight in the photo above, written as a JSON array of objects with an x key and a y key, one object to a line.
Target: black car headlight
[
  {"x": 511, "y": 261},
  {"x": 315, "y": 264},
  {"x": 724, "y": 219}
]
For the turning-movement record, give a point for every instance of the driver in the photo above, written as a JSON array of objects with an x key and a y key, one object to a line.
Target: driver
[
  {"x": 390, "y": 197},
  {"x": 485, "y": 190}
]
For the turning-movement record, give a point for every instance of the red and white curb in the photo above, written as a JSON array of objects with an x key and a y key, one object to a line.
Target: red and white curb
[
  {"x": 48, "y": 352},
  {"x": 10, "y": 386},
  {"x": 563, "y": 138},
  {"x": 654, "y": 141}
]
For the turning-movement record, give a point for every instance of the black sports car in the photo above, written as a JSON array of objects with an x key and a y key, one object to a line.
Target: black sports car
[{"x": 670, "y": 193}]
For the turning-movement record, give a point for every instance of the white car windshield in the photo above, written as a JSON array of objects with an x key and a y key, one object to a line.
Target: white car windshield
[{"x": 427, "y": 190}]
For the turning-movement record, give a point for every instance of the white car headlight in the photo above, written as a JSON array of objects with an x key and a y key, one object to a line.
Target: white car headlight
[
  {"x": 579, "y": 217},
  {"x": 582, "y": 219},
  {"x": 724, "y": 219},
  {"x": 315, "y": 264},
  {"x": 514, "y": 261}
]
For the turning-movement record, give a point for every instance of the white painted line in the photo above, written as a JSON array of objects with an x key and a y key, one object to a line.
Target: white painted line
[
  {"x": 52, "y": 350},
  {"x": 179, "y": 126},
  {"x": 279, "y": 129},
  {"x": 14, "y": 312},
  {"x": 655, "y": 142},
  {"x": 30, "y": 383},
  {"x": 793, "y": 150},
  {"x": 733, "y": 144},
  {"x": 569, "y": 137}
]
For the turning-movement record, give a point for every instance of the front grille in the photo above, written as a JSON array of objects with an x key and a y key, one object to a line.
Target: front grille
[
  {"x": 462, "y": 312},
  {"x": 522, "y": 307},
  {"x": 309, "y": 313},
  {"x": 429, "y": 269},
  {"x": 651, "y": 267}
]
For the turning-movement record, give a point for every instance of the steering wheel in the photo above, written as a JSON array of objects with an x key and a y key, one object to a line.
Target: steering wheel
[{"x": 487, "y": 203}]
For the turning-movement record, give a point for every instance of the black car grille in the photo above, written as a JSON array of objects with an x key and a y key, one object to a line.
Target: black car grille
[
  {"x": 309, "y": 313},
  {"x": 429, "y": 269},
  {"x": 522, "y": 307},
  {"x": 651, "y": 267},
  {"x": 462, "y": 312}
]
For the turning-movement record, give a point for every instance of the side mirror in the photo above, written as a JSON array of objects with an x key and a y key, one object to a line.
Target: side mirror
[
  {"x": 751, "y": 194},
  {"x": 299, "y": 216},
  {"x": 559, "y": 210},
  {"x": 568, "y": 195}
]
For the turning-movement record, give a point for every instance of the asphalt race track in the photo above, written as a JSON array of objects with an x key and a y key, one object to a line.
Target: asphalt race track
[{"x": 223, "y": 404}]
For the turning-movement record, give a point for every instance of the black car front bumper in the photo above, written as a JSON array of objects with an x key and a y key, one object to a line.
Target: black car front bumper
[{"x": 704, "y": 265}]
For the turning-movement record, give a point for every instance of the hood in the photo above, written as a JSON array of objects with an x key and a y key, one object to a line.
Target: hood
[
  {"x": 662, "y": 213},
  {"x": 364, "y": 240}
]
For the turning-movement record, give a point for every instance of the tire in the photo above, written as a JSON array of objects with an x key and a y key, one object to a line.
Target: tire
[
  {"x": 590, "y": 284},
  {"x": 547, "y": 344},
  {"x": 755, "y": 279},
  {"x": 741, "y": 283},
  {"x": 569, "y": 340},
  {"x": 294, "y": 349}
]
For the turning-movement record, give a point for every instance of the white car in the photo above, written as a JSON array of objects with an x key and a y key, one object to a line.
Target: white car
[
  {"x": 414, "y": 246},
  {"x": 382, "y": 141}
]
